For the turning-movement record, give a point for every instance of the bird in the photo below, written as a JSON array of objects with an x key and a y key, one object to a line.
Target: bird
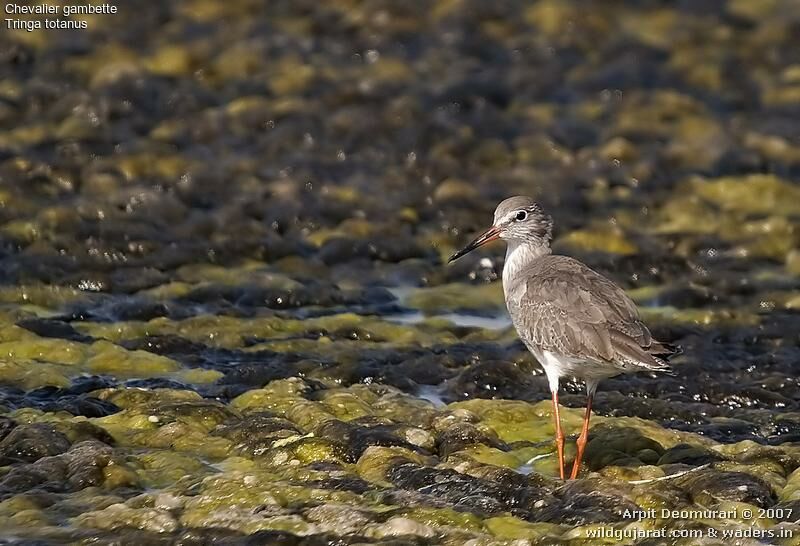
[{"x": 576, "y": 322}]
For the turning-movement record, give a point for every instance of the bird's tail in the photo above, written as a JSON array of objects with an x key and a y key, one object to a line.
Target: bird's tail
[
  {"x": 662, "y": 352},
  {"x": 653, "y": 358}
]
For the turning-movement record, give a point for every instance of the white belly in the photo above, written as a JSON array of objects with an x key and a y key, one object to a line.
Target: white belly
[{"x": 557, "y": 366}]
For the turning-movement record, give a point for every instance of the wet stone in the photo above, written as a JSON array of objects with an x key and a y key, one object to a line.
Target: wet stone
[
  {"x": 401, "y": 370},
  {"x": 342, "y": 519},
  {"x": 258, "y": 432},
  {"x": 156, "y": 383},
  {"x": 129, "y": 281},
  {"x": 345, "y": 483},
  {"x": 53, "y": 328},
  {"x": 121, "y": 515},
  {"x": 55, "y": 399},
  {"x": 585, "y": 501},
  {"x": 29, "y": 443},
  {"x": 6, "y": 425},
  {"x": 386, "y": 249},
  {"x": 463, "y": 491},
  {"x": 461, "y": 435},
  {"x": 356, "y": 439},
  {"x": 574, "y": 133},
  {"x": 688, "y": 455},
  {"x": 207, "y": 412},
  {"x": 48, "y": 475},
  {"x": 284, "y": 538},
  {"x": 265, "y": 369},
  {"x": 82, "y": 466},
  {"x": 143, "y": 310},
  {"x": 709, "y": 487},
  {"x": 497, "y": 379},
  {"x": 82, "y": 430},
  {"x": 166, "y": 345},
  {"x": 610, "y": 445}
]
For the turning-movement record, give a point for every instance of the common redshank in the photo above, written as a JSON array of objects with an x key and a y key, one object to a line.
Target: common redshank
[{"x": 576, "y": 322}]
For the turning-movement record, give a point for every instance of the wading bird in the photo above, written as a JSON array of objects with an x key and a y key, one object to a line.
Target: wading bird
[{"x": 576, "y": 322}]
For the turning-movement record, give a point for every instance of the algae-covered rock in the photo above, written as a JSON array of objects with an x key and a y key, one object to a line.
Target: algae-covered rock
[
  {"x": 304, "y": 450},
  {"x": 751, "y": 194},
  {"x": 399, "y": 526},
  {"x": 462, "y": 435},
  {"x": 377, "y": 461},
  {"x": 85, "y": 464},
  {"x": 277, "y": 396},
  {"x": 599, "y": 239},
  {"x": 464, "y": 491},
  {"x": 687, "y": 454},
  {"x": 251, "y": 501},
  {"x": 105, "y": 357},
  {"x": 340, "y": 518},
  {"x": 258, "y": 432},
  {"x": 121, "y": 516},
  {"x": 485, "y": 299},
  {"x": 588, "y": 501},
  {"x": 514, "y": 421},
  {"x": 710, "y": 487},
  {"x": 163, "y": 468},
  {"x": 169, "y": 419},
  {"x": 510, "y": 527},
  {"x": 29, "y": 443}
]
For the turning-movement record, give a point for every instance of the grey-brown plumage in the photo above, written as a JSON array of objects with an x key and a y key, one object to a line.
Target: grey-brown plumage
[
  {"x": 575, "y": 321},
  {"x": 562, "y": 306}
]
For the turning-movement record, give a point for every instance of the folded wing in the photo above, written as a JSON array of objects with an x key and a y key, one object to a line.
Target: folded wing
[{"x": 563, "y": 306}]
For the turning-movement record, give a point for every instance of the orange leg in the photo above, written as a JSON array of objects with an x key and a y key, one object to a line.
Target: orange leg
[
  {"x": 583, "y": 438},
  {"x": 559, "y": 435}
]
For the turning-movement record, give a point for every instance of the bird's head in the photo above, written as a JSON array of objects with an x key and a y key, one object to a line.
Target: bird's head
[{"x": 518, "y": 219}]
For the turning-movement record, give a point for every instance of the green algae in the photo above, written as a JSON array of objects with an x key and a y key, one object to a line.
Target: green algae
[
  {"x": 457, "y": 297},
  {"x": 752, "y": 194},
  {"x": 376, "y": 460},
  {"x": 105, "y": 357},
  {"x": 278, "y": 396},
  {"x": 32, "y": 374},
  {"x": 444, "y": 518},
  {"x": 599, "y": 239},
  {"x": 791, "y": 491},
  {"x": 121, "y": 516},
  {"x": 231, "y": 500},
  {"x": 308, "y": 415},
  {"x": 515, "y": 421},
  {"x": 230, "y": 332},
  {"x": 42, "y": 296},
  {"x": 130, "y": 398},
  {"x": 403, "y": 408},
  {"x": 509, "y": 527},
  {"x": 304, "y": 450},
  {"x": 198, "y": 376},
  {"x": 47, "y": 350},
  {"x": 32, "y": 361},
  {"x": 750, "y": 211},
  {"x": 514, "y": 459},
  {"x": 162, "y": 468},
  {"x": 345, "y": 406},
  {"x": 178, "y": 420}
]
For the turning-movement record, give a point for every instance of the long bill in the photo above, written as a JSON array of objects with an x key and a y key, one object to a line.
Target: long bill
[{"x": 486, "y": 237}]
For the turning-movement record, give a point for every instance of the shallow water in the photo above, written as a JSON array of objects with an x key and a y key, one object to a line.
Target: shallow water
[{"x": 226, "y": 314}]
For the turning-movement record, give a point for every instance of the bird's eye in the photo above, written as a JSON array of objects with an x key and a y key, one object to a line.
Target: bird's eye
[{"x": 521, "y": 215}]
